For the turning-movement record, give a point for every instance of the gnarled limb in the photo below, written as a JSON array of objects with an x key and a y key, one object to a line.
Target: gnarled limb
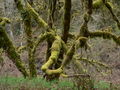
[{"x": 55, "y": 51}]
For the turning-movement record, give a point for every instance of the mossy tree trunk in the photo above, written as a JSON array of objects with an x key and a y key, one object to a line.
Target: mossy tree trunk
[
  {"x": 27, "y": 24},
  {"x": 55, "y": 47},
  {"x": 8, "y": 46},
  {"x": 31, "y": 58}
]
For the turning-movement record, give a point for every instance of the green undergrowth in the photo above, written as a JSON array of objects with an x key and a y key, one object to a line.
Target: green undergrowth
[{"x": 19, "y": 83}]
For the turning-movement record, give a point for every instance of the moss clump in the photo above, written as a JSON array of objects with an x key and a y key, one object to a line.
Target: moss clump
[
  {"x": 55, "y": 51},
  {"x": 97, "y": 4},
  {"x": 54, "y": 72}
]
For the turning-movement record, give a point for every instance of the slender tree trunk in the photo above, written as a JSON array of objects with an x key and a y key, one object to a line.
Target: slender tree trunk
[
  {"x": 31, "y": 58},
  {"x": 67, "y": 17}
]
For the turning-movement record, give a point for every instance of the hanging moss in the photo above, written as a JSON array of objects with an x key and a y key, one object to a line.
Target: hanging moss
[
  {"x": 55, "y": 51},
  {"x": 8, "y": 46}
]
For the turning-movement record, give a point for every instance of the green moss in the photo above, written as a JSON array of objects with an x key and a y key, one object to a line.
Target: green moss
[
  {"x": 53, "y": 72},
  {"x": 36, "y": 16},
  {"x": 4, "y": 20},
  {"x": 28, "y": 31},
  {"x": 55, "y": 51},
  {"x": 97, "y": 4}
]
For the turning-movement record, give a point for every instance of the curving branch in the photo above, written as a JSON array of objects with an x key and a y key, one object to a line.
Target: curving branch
[
  {"x": 54, "y": 55},
  {"x": 55, "y": 51}
]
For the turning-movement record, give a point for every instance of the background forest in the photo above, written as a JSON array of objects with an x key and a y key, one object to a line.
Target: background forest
[{"x": 74, "y": 40}]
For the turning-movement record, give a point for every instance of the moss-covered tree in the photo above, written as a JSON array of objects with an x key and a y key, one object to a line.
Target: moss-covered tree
[{"x": 58, "y": 53}]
